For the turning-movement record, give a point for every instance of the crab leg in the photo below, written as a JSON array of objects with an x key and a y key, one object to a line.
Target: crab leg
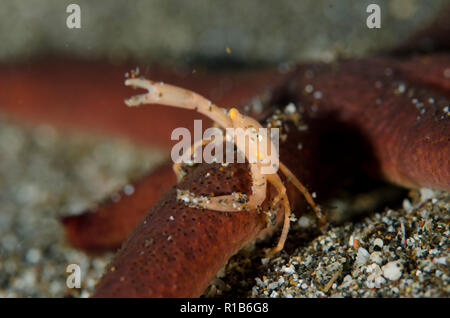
[
  {"x": 166, "y": 94},
  {"x": 302, "y": 189},
  {"x": 275, "y": 180}
]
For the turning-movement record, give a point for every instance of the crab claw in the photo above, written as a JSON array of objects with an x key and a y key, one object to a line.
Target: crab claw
[{"x": 141, "y": 98}]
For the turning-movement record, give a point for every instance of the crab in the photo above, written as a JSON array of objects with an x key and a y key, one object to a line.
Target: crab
[{"x": 169, "y": 95}]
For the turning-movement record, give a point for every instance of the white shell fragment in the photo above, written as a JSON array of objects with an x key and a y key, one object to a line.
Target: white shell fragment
[
  {"x": 392, "y": 270},
  {"x": 362, "y": 257}
]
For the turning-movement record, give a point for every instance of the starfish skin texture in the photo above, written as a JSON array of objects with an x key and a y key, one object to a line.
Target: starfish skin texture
[{"x": 362, "y": 117}]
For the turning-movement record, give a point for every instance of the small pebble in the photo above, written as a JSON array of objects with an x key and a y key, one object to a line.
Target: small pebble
[
  {"x": 392, "y": 270},
  {"x": 378, "y": 244},
  {"x": 362, "y": 257},
  {"x": 376, "y": 257},
  {"x": 33, "y": 256}
]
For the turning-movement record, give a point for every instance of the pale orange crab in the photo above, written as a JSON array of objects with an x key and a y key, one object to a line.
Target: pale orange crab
[{"x": 164, "y": 94}]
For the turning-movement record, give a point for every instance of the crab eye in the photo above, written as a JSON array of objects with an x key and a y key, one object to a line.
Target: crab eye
[{"x": 233, "y": 113}]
